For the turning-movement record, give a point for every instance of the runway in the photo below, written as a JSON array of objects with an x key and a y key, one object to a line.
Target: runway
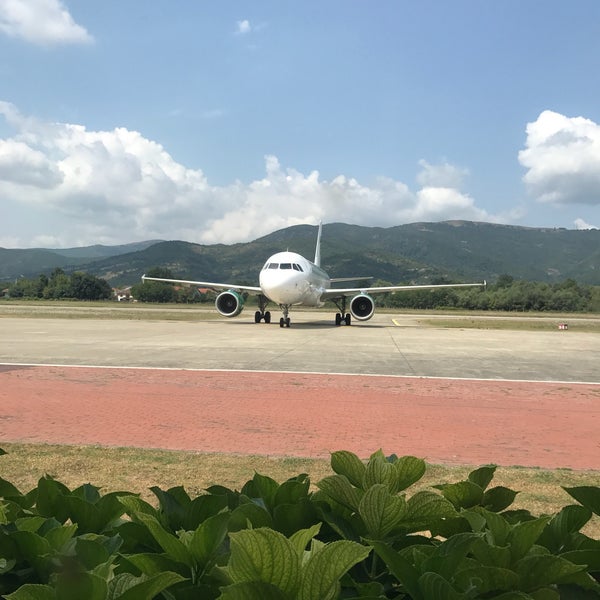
[{"x": 447, "y": 395}]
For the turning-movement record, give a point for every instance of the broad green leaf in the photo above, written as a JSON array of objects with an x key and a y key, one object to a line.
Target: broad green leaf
[
  {"x": 587, "y": 495},
  {"x": 263, "y": 487},
  {"x": 88, "y": 492},
  {"x": 348, "y": 464},
  {"x": 32, "y": 591},
  {"x": 291, "y": 491},
  {"x": 208, "y": 537},
  {"x": 264, "y": 555},
  {"x": 167, "y": 541},
  {"x": 151, "y": 564},
  {"x": 7, "y": 489},
  {"x": 400, "y": 568},
  {"x": 59, "y": 536},
  {"x": 32, "y": 524},
  {"x": 482, "y": 476},
  {"x": 249, "y": 515},
  {"x": 490, "y": 555},
  {"x": 380, "y": 511},
  {"x": 135, "y": 506},
  {"x": 2, "y": 452},
  {"x": 173, "y": 505},
  {"x": 85, "y": 514},
  {"x": 558, "y": 531},
  {"x": 498, "y": 498},
  {"x": 409, "y": 469},
  {"x": 544, "y": 569},
  {"x": 90, "y": 552},
  {"x": 524, "y": 535},
  {"x": 289, "y": 518},
  {"x": 379, "y": 470},
  {"x": 435, "y": 586},
  {"x": 449, "y": 556},
  {"x": 339, "y": 488},
  {"x": 498, "y": 528},
  {"x": 464, "y": 494},
  {"x": 590, "y": 558},
  {"x": 31, "y": 545},
  {"x": 325, "y": 567},
  {"x": 486, "y": 579},
  {"x": 252, "y": 590},
  {"x": 50, "y": 499},
  {"x": 302, "y": 538},
  {"x": 76, "y": 586},
  {"x": 127, "y": 587},
  {"x": 201, "y": 508},
  {"x": 425, "y": 508}
]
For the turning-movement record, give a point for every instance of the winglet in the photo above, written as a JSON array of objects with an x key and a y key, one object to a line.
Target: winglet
[{"x": 318, "y": 248}]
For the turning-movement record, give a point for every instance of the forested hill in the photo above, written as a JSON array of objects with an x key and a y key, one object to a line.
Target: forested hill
[{"x": 418, "y": 252}]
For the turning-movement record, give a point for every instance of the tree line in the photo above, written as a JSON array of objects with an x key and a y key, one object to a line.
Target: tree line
[
  {"x": 506, "y": 294},
  {"x": 79, "y": 286}
]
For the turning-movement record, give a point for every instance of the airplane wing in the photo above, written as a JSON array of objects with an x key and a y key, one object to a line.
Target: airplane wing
[
  {"x": 252, "y": 290},
  {"x": 331, "y": 293}
]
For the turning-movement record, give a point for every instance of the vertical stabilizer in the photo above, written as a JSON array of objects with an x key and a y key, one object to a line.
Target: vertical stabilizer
[{"x": 318, "y": 248}]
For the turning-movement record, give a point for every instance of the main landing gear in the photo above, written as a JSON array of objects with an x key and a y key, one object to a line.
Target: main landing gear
[
  {"x": 261, "y": 314},
  {"x": 285, "y": 320},
  {"x": 342, "y": 316}
]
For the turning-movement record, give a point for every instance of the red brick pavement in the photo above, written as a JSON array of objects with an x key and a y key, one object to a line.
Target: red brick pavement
[{"x": 442, "y": 420}]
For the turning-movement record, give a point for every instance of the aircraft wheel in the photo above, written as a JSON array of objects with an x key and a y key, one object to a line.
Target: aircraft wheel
[
  {"x": 267, "y": 317},
  {"x": 287, "y": 322},
  {"x": 257, "y": 316},
  {"x": 348, "y": 319},
  {"x": 338, "y": 319},
  {"x": 281, "y": 322}
]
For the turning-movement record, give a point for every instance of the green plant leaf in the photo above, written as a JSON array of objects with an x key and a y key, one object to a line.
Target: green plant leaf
[
  {"x": 325, "y": 567},
  {"x": 252, "y": 590},
  {"x": 128, "y": 587},
  {"x": 264, "y": 555},
  {"x": 435, "y": 586},
  {"x": 498, "y": 498},
  {"x": 544, "y": 569},
  {"x": 424, "y": 509},
  {"x": 380, "y": 511},
  {"x": 587, "y": 495},
  {"x": 76, "y": 586},
  {"x": 208, "y": 537},
  {"x": 558, "y": 532},
  {"x": 348, "y": 464},
  {"x": 409, "y": 469},
  {"x": 151, "y": 564},
  {"x": 8, "y": 490},
  {"x": 524, "y": 535},
  {"x": 486, "y": 579},
  {"x": 380, "y": 470},
  {"x": 339, "y": 488},
  {"x": 249, "y": 514},
  {"x": 32, "y": 591},
  {"x": 483, "y": 475},
  {"x": 400, "y": 567},
  {"x": 289, "y": 518},
  {"x": 302, "y": 538},
  {"x": 490, "y": 555},
  {"x": 463, "y": 494},
  {"x": 167, "y": 541}
]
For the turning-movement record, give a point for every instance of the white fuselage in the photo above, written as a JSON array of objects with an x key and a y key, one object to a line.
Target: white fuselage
[{"x": 290, "y": 279}]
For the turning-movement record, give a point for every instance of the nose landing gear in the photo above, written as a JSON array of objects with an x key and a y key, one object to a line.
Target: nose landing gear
[{"x": 285, "y": 320}]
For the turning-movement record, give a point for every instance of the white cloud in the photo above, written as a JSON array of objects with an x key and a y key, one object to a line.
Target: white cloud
[
  {"x": 243, "y": 27},
  {"x": 581, "y": 225},
  {"x": 444, "y": 175},
  {"x": 44, "y": 22},
  {"x": 562, "y": 157},
  {"x": 84, "y": 187}
]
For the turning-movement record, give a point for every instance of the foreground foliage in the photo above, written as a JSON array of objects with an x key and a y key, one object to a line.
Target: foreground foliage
[{"x": 361, "y": 534}]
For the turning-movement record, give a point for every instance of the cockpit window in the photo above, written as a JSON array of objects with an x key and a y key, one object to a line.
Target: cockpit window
[
  {"x": 297, "y": 267},
  {"x": 273, "y": 265},
  {"x": 285, "y": 266}
]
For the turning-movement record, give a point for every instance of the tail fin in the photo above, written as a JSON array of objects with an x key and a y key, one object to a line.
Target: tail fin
[{"x": 318, "y": 248}]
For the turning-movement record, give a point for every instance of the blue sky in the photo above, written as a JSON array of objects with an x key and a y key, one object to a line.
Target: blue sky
[{"x": 224, "y": 121}]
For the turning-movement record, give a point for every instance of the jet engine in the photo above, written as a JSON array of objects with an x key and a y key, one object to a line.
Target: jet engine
[
  {"x": 229, "y": 303},
  {"x": 362, "y": 307}
]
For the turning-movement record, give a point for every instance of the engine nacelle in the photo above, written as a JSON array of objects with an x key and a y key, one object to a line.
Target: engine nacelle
[
  {"x": 229, "y": 303},
  {"x": 362, "y": 307}
]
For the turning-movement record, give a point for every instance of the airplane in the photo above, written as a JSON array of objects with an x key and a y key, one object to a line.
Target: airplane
[{"x": 288, "y": 279}]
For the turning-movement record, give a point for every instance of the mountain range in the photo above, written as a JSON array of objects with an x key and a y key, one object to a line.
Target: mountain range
[{"x": 417, "y": 252}]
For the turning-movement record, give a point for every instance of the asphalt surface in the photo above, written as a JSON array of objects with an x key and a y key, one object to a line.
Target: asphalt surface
[{"x": 385, "y": 345}]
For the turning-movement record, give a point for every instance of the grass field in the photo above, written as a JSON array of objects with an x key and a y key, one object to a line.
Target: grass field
[{"x": 135, "y": 470}]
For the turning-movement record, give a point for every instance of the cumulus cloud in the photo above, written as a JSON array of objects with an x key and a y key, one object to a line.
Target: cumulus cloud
[
  {"x": 562, "y": 158},
  {"x": 118, "y": 186},
  {"x": 44, "y": 22},
  {"x": 243, "y": 27},
  {"x": 582, "y": 225}
]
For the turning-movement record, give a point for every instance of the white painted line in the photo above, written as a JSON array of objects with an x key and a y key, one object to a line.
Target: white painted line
[{"x": 498, "y": 379}]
